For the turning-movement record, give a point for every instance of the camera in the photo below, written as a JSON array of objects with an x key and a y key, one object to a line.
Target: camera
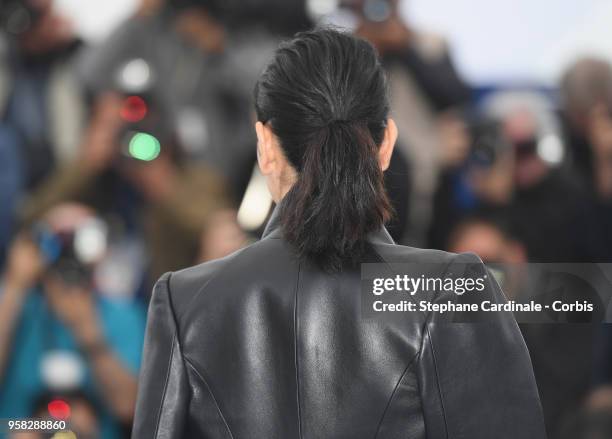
[
  {"x": 73, "y": 253},
  {"x": 488, "y": 141}
]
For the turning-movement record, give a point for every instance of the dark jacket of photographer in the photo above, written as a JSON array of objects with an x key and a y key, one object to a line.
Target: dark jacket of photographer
[{"x": 261, "y": 345}]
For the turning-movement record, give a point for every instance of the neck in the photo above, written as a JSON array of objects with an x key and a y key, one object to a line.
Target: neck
[{"x": 285, "y": 183}]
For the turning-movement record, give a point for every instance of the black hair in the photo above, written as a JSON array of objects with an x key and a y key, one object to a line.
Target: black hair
[{"x": 324, "y": 95}]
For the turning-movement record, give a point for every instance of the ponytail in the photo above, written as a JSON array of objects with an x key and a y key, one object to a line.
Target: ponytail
[
  {"x": 338, "y": 198},
  {"x": 325, "y": 97}
]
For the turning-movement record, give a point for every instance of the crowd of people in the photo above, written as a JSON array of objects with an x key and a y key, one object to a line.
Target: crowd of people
[{"x": 125, "y": 160}]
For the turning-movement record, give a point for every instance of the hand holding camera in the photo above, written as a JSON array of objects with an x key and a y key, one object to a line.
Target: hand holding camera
[{"x": 74, "y": 305}]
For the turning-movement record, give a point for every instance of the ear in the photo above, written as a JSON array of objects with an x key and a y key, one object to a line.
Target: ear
[
  {"x": 266, "y": 154},
  {"x": 386, "y": 148}
]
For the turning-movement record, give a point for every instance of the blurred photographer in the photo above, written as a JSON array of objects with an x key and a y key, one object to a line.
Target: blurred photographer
[
  {"x": 135, "y": 173},
  {"x": 199, "y": 59},
  {"x": 515, "y": 162},
  {"x": 56, "y": 331},
  {"x": 41, "y": 102}
]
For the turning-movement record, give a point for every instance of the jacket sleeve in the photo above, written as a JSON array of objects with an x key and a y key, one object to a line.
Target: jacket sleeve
[
  {"x": 475, "y": 378},
  {"x": 163, "y": 389}
]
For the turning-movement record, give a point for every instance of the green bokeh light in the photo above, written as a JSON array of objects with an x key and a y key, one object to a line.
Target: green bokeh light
[{"x": 144, "y": 147}]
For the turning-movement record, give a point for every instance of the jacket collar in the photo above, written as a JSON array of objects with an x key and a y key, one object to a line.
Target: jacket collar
[{"x": 273, "y": 230}]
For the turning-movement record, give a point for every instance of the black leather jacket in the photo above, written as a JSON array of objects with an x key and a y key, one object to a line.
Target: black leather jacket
[{"x": 259, "y": 345}]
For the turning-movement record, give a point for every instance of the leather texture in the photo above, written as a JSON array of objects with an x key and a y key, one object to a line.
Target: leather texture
[{"x": 262, "y": 345}]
